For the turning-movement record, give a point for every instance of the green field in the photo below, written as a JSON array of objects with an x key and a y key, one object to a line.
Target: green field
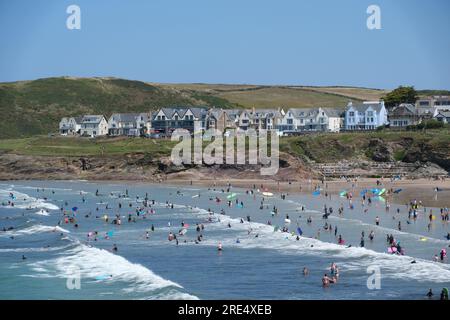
[
  {"x": 74, "y": 146},
  {"x": 316, "y": 147}
]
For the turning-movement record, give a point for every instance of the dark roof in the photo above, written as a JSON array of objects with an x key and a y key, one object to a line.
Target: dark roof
[
  {"x": 404, "y": 109},
  {"x": 198, "y": 112}
]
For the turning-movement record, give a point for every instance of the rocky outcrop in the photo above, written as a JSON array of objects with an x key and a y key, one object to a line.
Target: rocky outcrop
[
  {"x": 380, "y": 151},
  {"x": 137, "y": 166}
]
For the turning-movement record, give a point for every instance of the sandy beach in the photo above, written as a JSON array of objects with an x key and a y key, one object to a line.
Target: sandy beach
[{"x": 420, "y": 189}]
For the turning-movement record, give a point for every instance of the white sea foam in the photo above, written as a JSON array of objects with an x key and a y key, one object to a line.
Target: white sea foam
[
  {"x": 42, "y": 212},
  {"x": 24, "y": 201},
  {"x": 354, "y": 258},
  {"x": 33, "y": 230},
  {"x": 41, "y": 249},
  {"x": 93, "y": 263}
]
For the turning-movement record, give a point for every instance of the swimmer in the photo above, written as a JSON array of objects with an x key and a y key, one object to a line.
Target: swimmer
[{"x": 305, "y": 271}]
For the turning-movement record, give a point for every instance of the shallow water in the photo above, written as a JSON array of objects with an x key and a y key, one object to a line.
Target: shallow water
[{"x": 264, "y": 264}]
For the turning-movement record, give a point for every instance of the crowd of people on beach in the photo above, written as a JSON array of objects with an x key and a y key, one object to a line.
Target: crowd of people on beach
[{"x": 144, "y": 207}]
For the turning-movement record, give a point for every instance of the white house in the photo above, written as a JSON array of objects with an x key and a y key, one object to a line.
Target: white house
[
  {"x": 311, "y": 119},
  {"x": 94, "y": 125},
  {"x": 366, "y": 116},
  {"x": 335, "y": 119},
  {"x": 443, "y": 116},
  {"x": 70, "y": 125},
  {"x": 266, "y": 119},
  {"x": 129, "y": 124}
]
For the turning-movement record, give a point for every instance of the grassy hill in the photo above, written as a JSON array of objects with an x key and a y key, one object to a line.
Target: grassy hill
[{"x": 35, "y": 107}]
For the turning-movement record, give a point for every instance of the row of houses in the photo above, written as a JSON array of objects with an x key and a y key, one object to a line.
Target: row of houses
[{"x": 362, "y": 116}]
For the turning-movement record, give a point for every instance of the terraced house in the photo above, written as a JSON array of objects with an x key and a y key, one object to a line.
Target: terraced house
[
  {"x": 266, "y": 119},
  {"x": 311, "y": 120},
  {"x": 220, "y": 120},
  {"x": 366, "y": 116},
  {"x": 166, "y": 120}
]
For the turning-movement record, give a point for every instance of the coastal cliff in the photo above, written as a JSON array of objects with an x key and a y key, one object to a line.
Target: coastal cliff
[{"x": 369, "y": 154}]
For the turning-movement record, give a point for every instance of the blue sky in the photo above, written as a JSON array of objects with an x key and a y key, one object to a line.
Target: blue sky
[{"x": 314, "y": 42}]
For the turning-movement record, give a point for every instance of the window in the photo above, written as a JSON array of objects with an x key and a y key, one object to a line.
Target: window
[
  {"x": 370, "y": 113},
  {"x": 351, "y": 113},
  {"x": 290, "y": 121}
]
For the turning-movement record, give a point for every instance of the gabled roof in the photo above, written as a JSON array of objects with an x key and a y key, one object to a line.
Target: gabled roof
[
  {"x": 334, "y": 112},
  {"x": 303, "y": 112},
  {"x": 125, "y": 117},
  {"x": 444, "y": 113},
  {"x": 403, "y": 110},
  {"x": 78, "y": 119},
  {"x": 377, "y": 106},
  {"x": 92, "y": 118},
  {"x": 198, "y": 112},
  {"x": 266, "y": 113},
  {"x": 233, "y": 114}
]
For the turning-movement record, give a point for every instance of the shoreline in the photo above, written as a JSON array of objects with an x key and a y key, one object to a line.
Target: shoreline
[{"x": 420, "y": 189}]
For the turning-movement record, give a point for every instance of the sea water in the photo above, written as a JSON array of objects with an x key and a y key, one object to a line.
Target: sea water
[{"x": 41, "y": 257}]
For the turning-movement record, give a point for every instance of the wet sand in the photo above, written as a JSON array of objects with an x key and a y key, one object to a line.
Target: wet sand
[{"x": 420, "y": 189}]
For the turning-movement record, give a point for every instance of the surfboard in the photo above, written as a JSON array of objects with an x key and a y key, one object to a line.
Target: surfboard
[
  {"x": 267, "y": 194},
  {"x": 382, "y": 191},
  {"x": 196, "y": 196},
  {"x": 316, "y": 193},
  {"x": 398, "y": 190},
  {"x": 299, "y": 231},
  {"x": 343, "y": 193},
  {"x": 231, "y": 196},
  {"x": 287, "y": 221}
]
